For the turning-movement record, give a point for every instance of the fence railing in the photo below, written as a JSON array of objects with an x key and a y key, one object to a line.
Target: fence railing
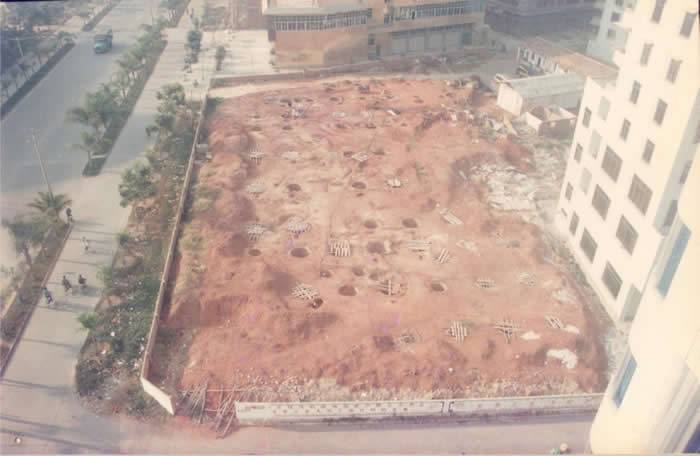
[{"x": 158, "y": 394}]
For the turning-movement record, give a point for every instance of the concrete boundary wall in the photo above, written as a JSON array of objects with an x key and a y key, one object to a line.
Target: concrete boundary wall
[
  {"x": 231, "y": 81},
  {"x": 280, "y": 412},
  {"x": 152, "y": 390}
]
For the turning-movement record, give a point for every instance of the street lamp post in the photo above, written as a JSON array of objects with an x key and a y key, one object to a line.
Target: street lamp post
[{"x": 41, "y": 163}]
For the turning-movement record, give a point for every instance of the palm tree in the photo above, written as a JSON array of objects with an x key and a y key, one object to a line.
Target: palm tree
[
  {"x": 130, "y": 64},
  {"x": 122, "y": 82},
  {"x": 90, "y": 143},
  {"x": 26, "y": 233},
  {"x": 51, "y": 205}
]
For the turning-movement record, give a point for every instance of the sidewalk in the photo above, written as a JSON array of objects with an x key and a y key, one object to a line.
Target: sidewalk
[{"x": 38, "y": 399}]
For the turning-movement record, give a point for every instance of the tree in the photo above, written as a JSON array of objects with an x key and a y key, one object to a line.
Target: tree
[
  {"x": 174, "y": 93},
  {"x": 26, "y": 232},
  {"x": 171, "y": 7},
  {"x": 130, "y": 64},
  {"x": 136, "y": 184},
  {"x": 5, "y": 87},
  {"x": 24, "y": 68},
  {"x": 90, "y": 143},
  {"x": 51, "y": 205},
  {"x": 14, "y": 74},
  {"x": 65, "y": 37},
  {"x": 122, "y": 82}
]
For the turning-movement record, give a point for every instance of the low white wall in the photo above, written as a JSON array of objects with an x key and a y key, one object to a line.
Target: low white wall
[
  {"x": 266, "y": 412},
  {"x": 159, "y": 395}
]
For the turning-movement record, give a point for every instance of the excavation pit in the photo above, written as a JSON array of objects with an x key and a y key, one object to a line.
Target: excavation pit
[
  {"x": 347, "y": 290},
  {"x": 409, "y": 223},
  {"x": 299, "y": 252}
]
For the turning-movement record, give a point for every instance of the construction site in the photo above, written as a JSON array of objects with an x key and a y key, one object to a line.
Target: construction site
[{"x": 373, "y": 239}]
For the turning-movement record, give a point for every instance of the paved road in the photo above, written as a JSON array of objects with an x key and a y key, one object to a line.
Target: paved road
[{"x": 44, "y": 109}]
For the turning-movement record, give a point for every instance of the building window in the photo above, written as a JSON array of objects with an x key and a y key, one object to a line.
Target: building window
[
  {"x": 627, "y": 235},
  {"x": 640, "y": 194},
  {"x": 658, "y": 10},
  {"x": 673, "y": 68},
  {"x": 688, "y": 22},
  {"x": 577, "y": 153},
  {"x": 625, "y": 130},
  {"x": 660, "y": 112},
  {"x": 370, "y": 40},
  {"x": 434, "y": 10},
  {"x": 685, "y": 172},
  {"x": 648, "y": 151},
  {"x": 594, "y": 145},
  {"x": 615, "y": 17},
  {"x": 601, "y": 202},
  {"x": 588, "y": 245},
  {"x": 674, "y": 260},
  {"x": 646, "y": 53},
  {"x": 671, "y": 214},
  {"x": 574, "y": 223},
  {"x": 612, "y": 280},
  {"x": 603, "y": 108},
  {"x": 634, "y": 95},
  {"x": 625, "y": 379},
  {"x": 611, "y": 34},
  {"x": 612, "y": 163},
  {"x": 586, "y": 117},
  {"x": 585, "y": 181},
  {"x": 569, "y": 190}
]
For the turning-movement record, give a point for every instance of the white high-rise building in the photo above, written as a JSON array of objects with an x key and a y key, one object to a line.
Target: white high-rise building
[
  {"x": 652, "y": 405},
  {"x": 610, "y": 36},
  {"x": 632, "y": 150}
]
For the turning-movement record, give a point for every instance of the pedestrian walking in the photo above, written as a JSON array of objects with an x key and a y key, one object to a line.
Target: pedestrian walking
[
  {"x": 86, "y": 244},
  {"x": 82, "y": 281},
  {"x": 66, "y": 284},
  {"x": 69, "y": 215},
  {"x": 48, "y": 296}
]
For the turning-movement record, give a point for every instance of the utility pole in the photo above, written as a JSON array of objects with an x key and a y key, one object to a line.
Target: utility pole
[
  {"x": 19, "y": 45},
  {"x": 41, "y": 163}
]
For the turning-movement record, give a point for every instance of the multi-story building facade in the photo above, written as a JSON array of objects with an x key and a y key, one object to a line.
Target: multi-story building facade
[
  {"x": 529, "y": 17},
  {"x": 632, "y": 149},
  {"x": 652, "y": 406},
  {"x": 329, "y": 32},
  {"x": 609, "y": 35}
]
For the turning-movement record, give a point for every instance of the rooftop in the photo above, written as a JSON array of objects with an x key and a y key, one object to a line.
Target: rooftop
[
  {"x": 308, "y": 7},
  {"x": 549, "y": 84},
  {"x": 571, "y": 60}
]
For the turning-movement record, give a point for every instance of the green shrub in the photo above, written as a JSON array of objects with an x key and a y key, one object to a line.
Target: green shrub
[
  {"x": 123, "y": 238},
  {"x": 89, "y": 376},
  {"x": 88, "y": 320}
]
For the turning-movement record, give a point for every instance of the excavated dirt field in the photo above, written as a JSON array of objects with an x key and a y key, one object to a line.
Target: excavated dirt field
[{"x": 318, "y": 262}]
